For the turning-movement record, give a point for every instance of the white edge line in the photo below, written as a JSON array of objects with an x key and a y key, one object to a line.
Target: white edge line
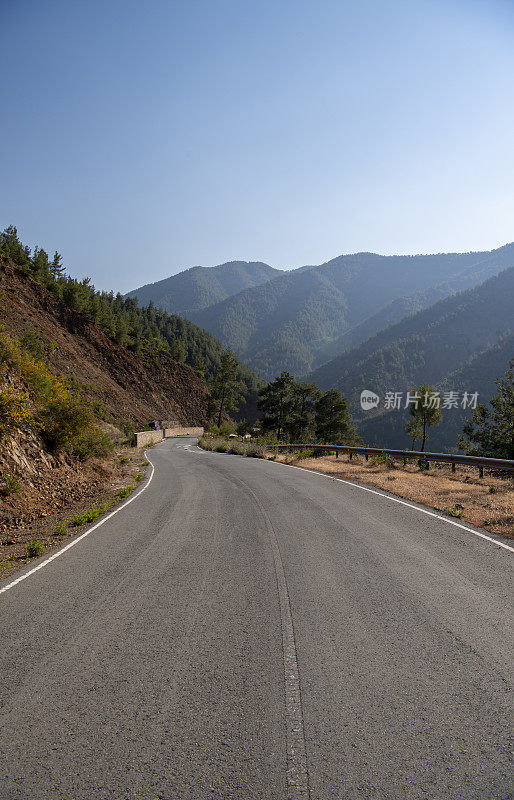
[
  {"x": 402, "y": 502},
  {"x": 82, "y": 535},
  {"x": 394, "y": 500}
]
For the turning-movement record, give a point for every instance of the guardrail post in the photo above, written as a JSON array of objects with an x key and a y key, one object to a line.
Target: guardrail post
[
  {"x": 453, "y": 466},
  {"x": 366, "y": 456},
  {"x": 480, "y": 472},
  {"x": 337, "y": 453},
  {"x": 350, "y": 454}
]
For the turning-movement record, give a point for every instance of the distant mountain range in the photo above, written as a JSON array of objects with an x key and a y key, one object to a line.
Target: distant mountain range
[
  {"x": 460, "y": 343},
  {"x": 359, "y": 321},
  {"x": 200, "y": 287}
]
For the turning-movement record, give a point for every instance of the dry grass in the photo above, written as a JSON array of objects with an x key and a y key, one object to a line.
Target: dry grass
[{"x": 463, "y": 492}]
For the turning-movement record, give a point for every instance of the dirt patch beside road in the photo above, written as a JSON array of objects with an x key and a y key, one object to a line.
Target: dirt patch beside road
[
  {"x": 487, "y": 502},
  {"x": 53, "y": 497}
]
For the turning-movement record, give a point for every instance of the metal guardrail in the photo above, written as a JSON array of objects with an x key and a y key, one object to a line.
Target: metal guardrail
[{"x": 473, "y": 461}]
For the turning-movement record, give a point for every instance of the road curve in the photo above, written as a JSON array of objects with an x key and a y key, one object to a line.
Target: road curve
[{"x": 248, "y": 631}]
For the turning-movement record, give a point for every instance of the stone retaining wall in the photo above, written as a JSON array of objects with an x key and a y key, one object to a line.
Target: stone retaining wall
[
  {"x": 146, "y": 437},
  {"x": 182, "y": 432}
]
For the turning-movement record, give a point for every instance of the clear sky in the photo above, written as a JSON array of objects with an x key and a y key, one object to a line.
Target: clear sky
[{"x": 140, "y": 139}]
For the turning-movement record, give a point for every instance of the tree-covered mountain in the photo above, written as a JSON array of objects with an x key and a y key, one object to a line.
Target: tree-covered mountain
[
  {"x": 438, "y": 345},
  {"x": 151, "y": 334},
  {"x": 478, "y": 374},
  {"x": 409, "y": 304},
  {"x": 200, "y": 287},
  {"x": 292, "y": 321}
]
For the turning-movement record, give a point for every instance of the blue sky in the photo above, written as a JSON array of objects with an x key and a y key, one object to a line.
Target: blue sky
[{"x": 142, "y": 139}]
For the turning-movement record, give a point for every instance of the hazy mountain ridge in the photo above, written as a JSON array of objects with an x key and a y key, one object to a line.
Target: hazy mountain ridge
[
  {"x": 477, "y": 374},
  {"x": 410, "y": 304},
  {"x": 199, "y": 287},
  {"x": 291, "y": 321},
  {"x": 432, "y": 345}
]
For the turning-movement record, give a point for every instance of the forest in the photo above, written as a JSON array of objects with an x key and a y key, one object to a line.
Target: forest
[{"x": 147, "y": 331}]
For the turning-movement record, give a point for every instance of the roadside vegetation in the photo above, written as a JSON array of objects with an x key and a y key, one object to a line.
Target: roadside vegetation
[
  {"x": 147, "y": 331},
  {"x": 43, "y": 402},
  {"x": 490, "y": 431},
  {"x": 462, "y": 495}
]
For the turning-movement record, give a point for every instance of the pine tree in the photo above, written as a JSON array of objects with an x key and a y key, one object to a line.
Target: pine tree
[
  {"x": 300, "y": 422},
  {"x": 425, "y": 412},
  {"x": 490, "y": 432},
  {"x": 275, "y": 401},
  {"x": 333, "y": 422},
  {"x": 56, "y": 267},
  {"x": 227, "y": 391}
]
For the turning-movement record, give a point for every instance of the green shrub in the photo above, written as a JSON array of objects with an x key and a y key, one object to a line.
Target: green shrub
[
  {"x": 305, "y": 453},
  {"x": 492, "y": 490},
  {"x": 205, "y": 443},
  {"x": 145, "y": 463},
  {"x": 9, "y": 485},
  {"x": 31, "y": 341},
  {"x": 129, "y": 430},
  {"x": 382, "y": 458},
  {"x": 16, "y": 411},
  {"x": 221, "y": 446},
  {"x": 456, "y": 511},
  {"x": 91, "y": 442},
  {"x": 67, "y": 423},
  {"x": 124, "y": 460},
  {"x": 236, "y": 448},
  {"x": 226, "y": 428},
  {"x": 137, "y": 476},
  {"x": 255, "y": 451},
  {"x": 91, "y": 515},
  {"x": 61, "y": 530},
  {"x": 121, "y": 493},
  {"x": 34, "y": 548}
]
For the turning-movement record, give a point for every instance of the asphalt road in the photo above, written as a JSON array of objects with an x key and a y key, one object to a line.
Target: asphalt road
[{"x": 247, "y": 630}]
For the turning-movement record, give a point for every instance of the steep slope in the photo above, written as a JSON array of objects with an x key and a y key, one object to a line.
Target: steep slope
[
  {"x": 478, "y": 374},
  {"x": 291, "y": 321},
  {"x": 410, "y": 304},
  {"x": 126, "y": 387},
  {"x": 428, "y": 346},
  {"x": 200, "y": 287}
]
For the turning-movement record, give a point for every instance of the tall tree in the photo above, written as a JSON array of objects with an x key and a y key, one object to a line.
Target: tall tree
[
  {"x": 414, "y": 429},
  {"x": 227, "y": 391},
  {"x": 275, "y": 400},
  {"x": 425, "y": 411},
  {"x": 333, "y": 422},
  {"x": 491, "y": 432},
  {"x": 56, "y": 267},
  {"x": 300, "y": 421}
]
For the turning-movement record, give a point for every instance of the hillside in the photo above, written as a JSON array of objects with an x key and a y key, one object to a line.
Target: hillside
[
  {"x": 435, "y": 345},
  {"x": 121, "y": 383},
  {"x": 478, "y": 374},
  {"x": 409, "y": 304},
  {"x": 292, "y": 321},
  {"x": 199, "y": 287}
]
